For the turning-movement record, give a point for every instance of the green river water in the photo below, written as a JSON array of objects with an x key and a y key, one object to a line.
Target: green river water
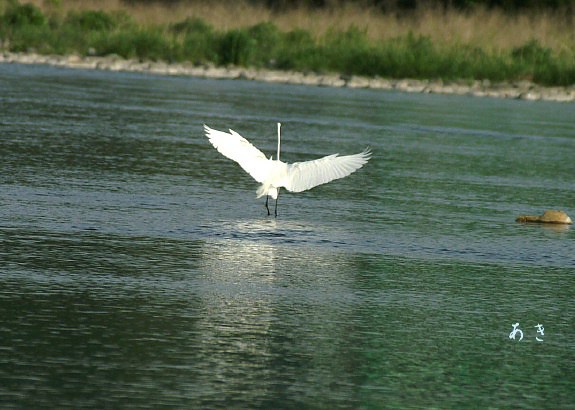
[{"x": 137, "y": 269}]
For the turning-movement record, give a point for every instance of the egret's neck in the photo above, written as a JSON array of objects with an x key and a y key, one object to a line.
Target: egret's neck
[{"x": 279, "y": 140}]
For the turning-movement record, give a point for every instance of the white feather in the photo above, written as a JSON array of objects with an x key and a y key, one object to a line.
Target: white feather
[
  {"x": 237, "y": 148},
  {"x": 306, "y": 175}
]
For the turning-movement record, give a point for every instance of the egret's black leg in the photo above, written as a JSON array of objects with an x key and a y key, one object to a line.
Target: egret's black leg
[
  {"x": 267, "y": 198},
  {"x": 276, "y": 208}
]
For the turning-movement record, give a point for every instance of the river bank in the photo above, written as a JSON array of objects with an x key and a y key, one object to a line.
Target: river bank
[{"x": 524, "y": 90}]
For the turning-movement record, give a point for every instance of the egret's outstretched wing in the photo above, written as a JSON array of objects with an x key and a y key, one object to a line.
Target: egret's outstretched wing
[
  {"x": 239, "y": 149},
  {"x": 306, "y": 175}
]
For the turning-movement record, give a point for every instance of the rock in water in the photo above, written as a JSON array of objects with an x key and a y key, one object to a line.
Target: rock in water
[{"x": 549, "y": 217}]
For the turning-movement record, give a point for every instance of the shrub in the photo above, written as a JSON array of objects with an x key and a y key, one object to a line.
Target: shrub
[
  {"x": 140, "y": 43},
  {"x": 21, "y": 15},
  {"x": 92, "y": 20},
  {"x": 531, "y": 53},
  {"x": 235, "y": 47},
  {"x": 192, "y": 26},
  {"x": 266, "y": 41},
  {"x": 256, "y": 46},
  {"x": 558, "y": 70},
  {"x": 352, "y": 37},
  {"x": 32, "y": 38},
  {"x": 298, "y": 51},
  {"x": 197, "y": 42}
]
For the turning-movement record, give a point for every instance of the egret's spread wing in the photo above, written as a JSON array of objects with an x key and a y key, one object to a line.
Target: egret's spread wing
[
  {"x": 306, "y": 175},
  {"x": 239, "y": 149}
]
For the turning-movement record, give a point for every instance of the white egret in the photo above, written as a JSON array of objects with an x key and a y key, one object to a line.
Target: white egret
[{"x": 275, "y": 174}]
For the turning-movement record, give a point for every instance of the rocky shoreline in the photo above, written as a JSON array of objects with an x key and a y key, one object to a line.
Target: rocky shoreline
[{"x": 524, "y": 90}]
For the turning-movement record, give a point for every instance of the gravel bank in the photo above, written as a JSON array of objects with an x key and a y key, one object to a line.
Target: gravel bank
[{"x": 524, "y": 90}]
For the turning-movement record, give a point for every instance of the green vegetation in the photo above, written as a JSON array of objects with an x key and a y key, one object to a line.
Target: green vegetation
[
  {"x": 398, "y": 5},
  {"x": 24, "y": 27}
]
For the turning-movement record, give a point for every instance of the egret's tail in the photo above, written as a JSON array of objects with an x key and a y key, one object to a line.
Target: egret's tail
[
  {"x": 262, "y": 190},
  {"x": 267, "y": 189}
]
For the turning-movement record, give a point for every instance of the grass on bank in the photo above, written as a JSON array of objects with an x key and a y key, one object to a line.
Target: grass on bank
[
  {"x": 490, "y": 29},
  {"x": 352, "y": 50}
]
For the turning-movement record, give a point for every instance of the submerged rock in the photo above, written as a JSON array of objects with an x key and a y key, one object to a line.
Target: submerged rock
[{"x": 549, "y": 216}]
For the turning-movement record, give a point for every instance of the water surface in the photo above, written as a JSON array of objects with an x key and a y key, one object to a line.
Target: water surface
[{"x": 138, "y": 270}]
